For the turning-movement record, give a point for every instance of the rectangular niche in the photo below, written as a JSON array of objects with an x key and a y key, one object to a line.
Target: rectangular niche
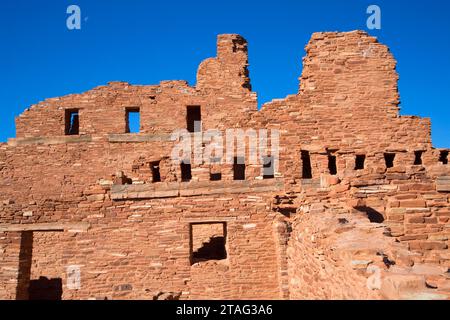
[
  {"x": 239, "y": 168},
  {"x": 186, "y": 171},
  {"x": 389, "y": 159},
  {"x": 208, "y": 241},
  {"x": 156, "y": 174},
  {"x": 360, "y": 162}
]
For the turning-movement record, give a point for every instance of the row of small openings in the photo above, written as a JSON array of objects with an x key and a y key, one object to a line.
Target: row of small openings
[
  {"x": 132, "y": 120},
  {"x": 332, "y": 164},
  {"x": 72, "y": 121},
  {"x": 193, "y": 119},
  {"x": 238, "y": 170},
  {"x": 389, "y": 159}
]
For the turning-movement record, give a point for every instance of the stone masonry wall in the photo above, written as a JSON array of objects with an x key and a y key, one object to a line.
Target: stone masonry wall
[{"x": 88, "y": 202}]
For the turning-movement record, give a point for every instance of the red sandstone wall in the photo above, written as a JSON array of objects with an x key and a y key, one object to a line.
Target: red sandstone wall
[
  {"x": 132, "y": 252},
  {"x": 9, "y": 265},
  {"x": 352, "y": 74},
  {"x": 348, "y": 104},
  {"x": 109, "y": 251},
  {"x": 223, "y": 92}
]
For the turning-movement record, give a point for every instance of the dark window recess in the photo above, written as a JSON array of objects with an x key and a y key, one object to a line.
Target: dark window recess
[
  {"x": 443, "y": 157},
  {"x": 389, "y": 159},
  {"x": 306, "y": 165},
  {"x": 215, "y": 176},
  {"x": 193, "y": 118},
  {"x": 418, "y": 158},
  {"x": 268, "y": 167},
  {"x": 72, "y": 122},
  {"x": 186, "y": 173},
  {"x": 45, "y": 289},
  {"x": 332, "y": 167},
  {"x": 287, "y": 212},
  {"x": 373, "y": 215},
  {"x": 239, "y": 168},
  {"x": 133, "y": 120},
  {"x": 156, "y": 175},
  {"x": 208, "y": 242},
  {"x": 360, "y": 162}
]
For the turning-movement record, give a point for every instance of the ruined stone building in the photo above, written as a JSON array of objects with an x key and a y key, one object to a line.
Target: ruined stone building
[{"x": 357, "y": 208}]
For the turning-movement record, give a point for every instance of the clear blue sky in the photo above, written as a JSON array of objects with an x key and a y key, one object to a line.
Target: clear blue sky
[{"x": 145, "y": 41}]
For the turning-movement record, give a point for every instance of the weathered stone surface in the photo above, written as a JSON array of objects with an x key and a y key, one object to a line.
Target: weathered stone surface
[
  {"x": 146, "y": 191},
  {"x": 81, "y": 226},
  {"x": 50, "y": 140},
  {"x": 138, "y": 138},
  {"x": 397, "y": 287},
  {"x": 443, "y": 184}
]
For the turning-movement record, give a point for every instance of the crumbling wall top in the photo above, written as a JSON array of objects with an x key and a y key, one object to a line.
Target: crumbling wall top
[
  {"x": 350, "y": 71},
  {"x": 228, "y": 73}
]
